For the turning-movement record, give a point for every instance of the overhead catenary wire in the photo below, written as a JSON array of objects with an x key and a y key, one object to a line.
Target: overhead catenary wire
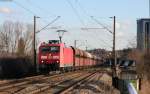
[
  {"x": 82, "y": 8},
  {"x": 46, "y": 26},
  {"x": 44, "y": 11},
  {"x": 81, "y": 21},
  {"x": 101, "y": 24},
  {"x": 24, "y": 7},
  {"x": 40, "y": 8},
  {"x": 27, "y": 9},
  {"x": 20, "y": 5},
  {"x": 104, "y": 41},
  {"x": 30, "y": 11},
  {"x": 49, "y": 24},
  {"x": 75, "y": 11},
  {"x": 101, "y": 41},
  {"x": 77, "y": 14},
  {"x": 86, "y": 13}
]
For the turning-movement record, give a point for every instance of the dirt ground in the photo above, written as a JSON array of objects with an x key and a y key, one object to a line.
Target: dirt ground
[
  {"x": 145, "y": 87},
  {"x": 103, "y": 85}
]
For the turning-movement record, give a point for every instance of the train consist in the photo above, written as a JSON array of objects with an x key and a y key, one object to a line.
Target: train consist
[{"x": 55, "y": 56}]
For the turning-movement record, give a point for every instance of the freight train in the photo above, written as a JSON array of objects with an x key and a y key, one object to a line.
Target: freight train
[{"x": 56, "y": 56}]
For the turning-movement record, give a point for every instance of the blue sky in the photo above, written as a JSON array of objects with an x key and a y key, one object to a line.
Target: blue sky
[{"x": 75, "y": 14}]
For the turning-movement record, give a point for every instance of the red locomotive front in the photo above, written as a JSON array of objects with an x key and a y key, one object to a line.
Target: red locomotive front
[{"x": 49, "y": 55}]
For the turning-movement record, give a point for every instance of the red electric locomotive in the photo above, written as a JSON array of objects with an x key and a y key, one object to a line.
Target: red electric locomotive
[{"x": 54, "y": 56}]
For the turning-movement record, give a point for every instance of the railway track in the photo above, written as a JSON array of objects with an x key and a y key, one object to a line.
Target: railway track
[
  {"x": 12, "y": 81},
  {"x": 78, "y": 83},
  {"x": 70, "y": 82},
  {"x": 59, "y": 87},
  {"x": 55, "y": 82},
  {"x": 90, "y": 85},
  {"x": 35, "y": 84}
]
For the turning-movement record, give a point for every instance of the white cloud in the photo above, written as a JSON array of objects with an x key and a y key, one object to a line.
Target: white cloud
[
  {"x": 126, "y": 32},
  {"x": 6, "y": 10},
  {"x": 120, "y": 34},
  {"x": 118, "y": 25}
]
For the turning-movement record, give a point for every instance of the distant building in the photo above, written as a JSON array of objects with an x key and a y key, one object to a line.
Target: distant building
[{"x": 143, "y": 34}]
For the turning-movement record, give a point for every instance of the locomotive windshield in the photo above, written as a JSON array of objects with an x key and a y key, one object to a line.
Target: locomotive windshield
[{"x": 50, "y": 49}]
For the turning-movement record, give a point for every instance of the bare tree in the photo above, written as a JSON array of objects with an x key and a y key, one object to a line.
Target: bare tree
[
  {"x": 16, "y": 38},
  {"x": 17, "y": 35},
  {"x": 132, "y": 42},
  {"x": 21, "y": 47},
  {"x": 6, "y": 33},
  {"x": 28, "y": 39}
]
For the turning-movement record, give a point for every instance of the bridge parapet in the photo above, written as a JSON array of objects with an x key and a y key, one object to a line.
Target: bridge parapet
[{"x": 127, "y": 75}]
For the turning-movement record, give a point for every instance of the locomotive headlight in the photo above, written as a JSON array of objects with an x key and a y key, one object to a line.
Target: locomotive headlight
[
  {"x": 42, "y": 61},
  {"x": 57, "y": 61}
]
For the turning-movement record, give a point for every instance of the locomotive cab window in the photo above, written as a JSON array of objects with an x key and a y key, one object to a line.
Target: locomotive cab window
[{"x": 50, "y": 49}]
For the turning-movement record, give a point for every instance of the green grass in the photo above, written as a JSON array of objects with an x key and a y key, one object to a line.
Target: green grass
[{"x": 134, "y": 83}]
